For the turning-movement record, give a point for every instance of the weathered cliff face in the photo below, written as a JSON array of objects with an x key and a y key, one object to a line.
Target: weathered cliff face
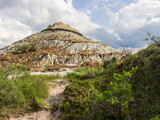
[{"x": 59, "y": 44}]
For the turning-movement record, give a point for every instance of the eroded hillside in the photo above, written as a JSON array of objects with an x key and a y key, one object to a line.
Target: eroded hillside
[{"x": 58, "y": 44}]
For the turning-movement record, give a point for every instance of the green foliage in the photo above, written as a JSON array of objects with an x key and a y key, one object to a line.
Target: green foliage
[
  {"x": 80, "y": 93},
  {"x": 106, "y": 63},
  {"x": 65, "y": 107},
  {"x": 18, "y": 89},
  {"x": 144, "y": 82},
  {"x": 34, "y": 88},
  {"x": 26, "y": 48},
  {"x": 119, "y": 92},
  {"x": 39, "y": 102},
  {"x": 47, "y": 77},
  {"x": 84, "y": 73},
  {"x": 114, "y": 59},
  {"x": 9, "y": 54},
  {"x": 156, "y": 117},
  {"x": 98, "y": 65},
  {"x": 77, "y": 105},
  {"x": 34, "y": 48}
]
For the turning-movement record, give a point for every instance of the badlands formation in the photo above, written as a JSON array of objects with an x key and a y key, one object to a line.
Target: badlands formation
[{"x": 59, "y": 44}]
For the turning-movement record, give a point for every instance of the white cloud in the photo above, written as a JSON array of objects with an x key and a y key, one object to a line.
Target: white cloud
[
  {"x": 108, "y": 11},
  {"x": 143, "y": 8},
  {"x": 95, "y": 6},
  {"x": 87, "y": 11},
  {"x": 114, "y": 34},
  {"x": 106, "y": 37},
  {"x": 12, "y": 30},
  {"x": 136, "y": 15},
  {"x": 35, "y": 15},
  {"x": 69, "y": 2},
  {"x": 132, "y": 22}
]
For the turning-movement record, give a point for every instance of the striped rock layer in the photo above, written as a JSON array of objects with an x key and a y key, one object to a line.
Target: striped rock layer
[{"x": 59, "y": 44}]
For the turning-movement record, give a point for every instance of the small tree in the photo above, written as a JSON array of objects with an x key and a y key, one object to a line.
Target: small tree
[
  {"x": 126, "y": 50},
  {"x": 152, "y": 38}
]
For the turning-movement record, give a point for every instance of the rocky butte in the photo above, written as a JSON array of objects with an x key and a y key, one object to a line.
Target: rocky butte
[{"x": 59, "y": 44}]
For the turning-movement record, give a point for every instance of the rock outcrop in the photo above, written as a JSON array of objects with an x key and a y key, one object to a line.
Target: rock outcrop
[{"x": 59, "y": 44}]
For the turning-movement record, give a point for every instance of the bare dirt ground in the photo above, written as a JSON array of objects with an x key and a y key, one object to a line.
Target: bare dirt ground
[{"x": 56, "y": 92}]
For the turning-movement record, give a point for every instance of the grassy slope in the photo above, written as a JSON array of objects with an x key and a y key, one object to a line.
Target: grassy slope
[
  {"x": 145, "y": 82},
  {"x": 81, "y": 101}
]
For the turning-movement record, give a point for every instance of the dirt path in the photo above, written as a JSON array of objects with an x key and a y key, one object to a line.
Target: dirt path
[{"x": 56, "y": 90}]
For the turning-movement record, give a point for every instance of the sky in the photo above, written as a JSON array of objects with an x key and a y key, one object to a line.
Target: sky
[{"x": 111, "y": 22}]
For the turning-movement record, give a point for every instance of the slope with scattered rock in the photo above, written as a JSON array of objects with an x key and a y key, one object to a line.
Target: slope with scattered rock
[{"x": 57, "y": 44}]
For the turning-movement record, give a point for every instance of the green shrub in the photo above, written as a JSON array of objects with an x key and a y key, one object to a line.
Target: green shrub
[
  {"x": 9, "y": 54},
  {"x": 21, "y": 89},
  {"x": 34, "y": 48},
  {"x": 106, "y": 63},
  {"x": 26, "y": 48},
  {"x": 80, "y": 95},
  {"x": 119, "y": 92}
]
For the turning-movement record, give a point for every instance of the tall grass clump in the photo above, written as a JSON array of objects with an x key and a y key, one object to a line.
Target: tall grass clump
[{"x": 18, "y": 90}]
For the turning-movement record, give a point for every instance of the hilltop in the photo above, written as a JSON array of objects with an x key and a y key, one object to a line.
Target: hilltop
[{"x": 58, "y": 44}]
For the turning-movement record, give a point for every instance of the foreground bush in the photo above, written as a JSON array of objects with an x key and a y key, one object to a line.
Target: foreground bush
[
  {"x": 18, "y": 89},
  {"x": 81, "y": 94},
  {"x": 119, "y": 93}
]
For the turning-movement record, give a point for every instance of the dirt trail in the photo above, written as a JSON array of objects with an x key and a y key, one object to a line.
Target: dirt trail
[{"x": 56, "y": 90}]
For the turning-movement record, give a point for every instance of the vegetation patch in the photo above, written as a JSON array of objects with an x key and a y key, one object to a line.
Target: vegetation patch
[
  {"x": 20, "y": 90},
  {"x": 116, "y": 91},
  {"x": 26, "y": 48}
]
